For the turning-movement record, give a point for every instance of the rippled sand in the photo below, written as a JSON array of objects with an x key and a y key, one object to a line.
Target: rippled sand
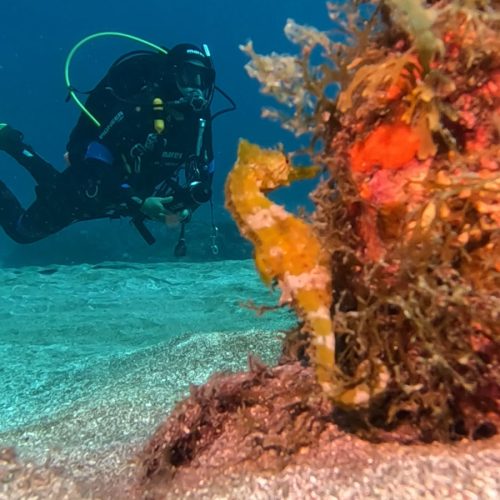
[
  {"x": 122, "y": 340},
  {"x": 93, "y": 357}
]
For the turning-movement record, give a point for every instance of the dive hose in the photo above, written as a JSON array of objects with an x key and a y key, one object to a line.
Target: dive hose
[{"x": 71, "y": 89}]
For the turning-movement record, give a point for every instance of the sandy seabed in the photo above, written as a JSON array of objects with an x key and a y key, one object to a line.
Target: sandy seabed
[{"x": 94, "y": 357}]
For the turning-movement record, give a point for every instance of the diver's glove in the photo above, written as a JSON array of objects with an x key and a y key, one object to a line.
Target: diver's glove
[
  {"x": 155, "y": 207},
  {"x": 11, "y": 140}
]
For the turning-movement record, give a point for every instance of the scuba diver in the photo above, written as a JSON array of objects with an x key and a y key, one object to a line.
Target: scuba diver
[{"x": 142, "y": 148}]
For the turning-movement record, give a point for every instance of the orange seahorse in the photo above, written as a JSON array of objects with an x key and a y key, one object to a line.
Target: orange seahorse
[{"x": 286, "y": 249}]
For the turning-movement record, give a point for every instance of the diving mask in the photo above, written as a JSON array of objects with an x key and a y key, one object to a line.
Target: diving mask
[{"x": 195, "y": 82}]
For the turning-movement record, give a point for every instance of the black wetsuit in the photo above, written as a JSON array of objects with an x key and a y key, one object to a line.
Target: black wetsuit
[{"x": 114, "y": 167}]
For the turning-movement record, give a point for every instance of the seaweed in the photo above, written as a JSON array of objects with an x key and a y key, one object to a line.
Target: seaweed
[{"x": 410, "y": 214}]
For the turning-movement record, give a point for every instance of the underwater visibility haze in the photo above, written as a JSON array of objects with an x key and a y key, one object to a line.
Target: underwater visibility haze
[
  {"x": 34, "y": 44},
  {"x": 331, "y": 330}
]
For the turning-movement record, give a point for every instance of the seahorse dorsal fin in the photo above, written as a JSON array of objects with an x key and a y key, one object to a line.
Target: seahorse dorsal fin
[{"x": 247, "y": 151}]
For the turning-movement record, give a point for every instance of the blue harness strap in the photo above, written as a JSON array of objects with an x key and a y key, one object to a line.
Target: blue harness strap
[{"x": 97, "y": 151}]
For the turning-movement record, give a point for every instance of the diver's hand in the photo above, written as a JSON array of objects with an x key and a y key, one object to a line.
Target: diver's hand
[
  {"x": 172, "y": 219},
  {"x": 154, "y": 207}
]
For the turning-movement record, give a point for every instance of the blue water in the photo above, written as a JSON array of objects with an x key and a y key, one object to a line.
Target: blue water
[
  {"x": 93, "y": 353},
  {"x": 35, "y": 38}
]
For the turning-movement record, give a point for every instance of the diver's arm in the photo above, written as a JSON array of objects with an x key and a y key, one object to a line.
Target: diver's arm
[{"x": 199, "y": 190}]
